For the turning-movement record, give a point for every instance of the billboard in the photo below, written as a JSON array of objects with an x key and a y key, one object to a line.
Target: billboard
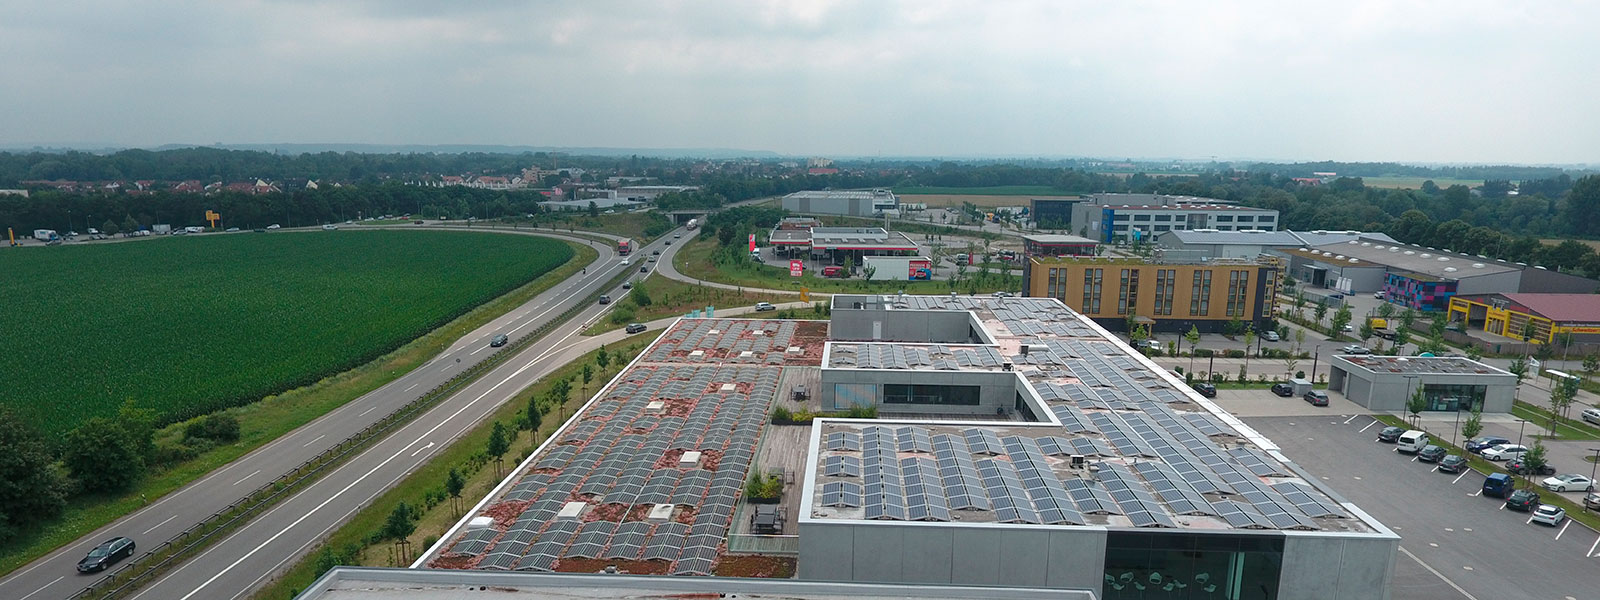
[{"x": 796, "y": 267}]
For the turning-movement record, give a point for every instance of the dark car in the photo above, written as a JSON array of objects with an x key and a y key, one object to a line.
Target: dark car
[
  {"x": 634, "y": 327},
  {"x": 1206, "y": 389},
  {"x": 627, "y": 285},
  {"x": 1455, "y": 463},
  {"x": 1518, "y": 467},
  {"x": 1432, "y": 453},
  {"x": 1390, "y": 434},
  {"x": 644, "y": 268},
  {"x": 656, "y": 253},
  {"x": 1484, "y": 442},
  {"x": 106, "y": 554},
  {"x": 499, "y": 340},
  {"x": 1283, "y": 389},
  {"x": 1316, "y": 397},
  {"x": 1523, "y": 500}
]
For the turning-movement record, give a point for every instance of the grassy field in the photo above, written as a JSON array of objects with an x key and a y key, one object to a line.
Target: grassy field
[
  {"x": 638, "y": 226},
  {"x": 984, "y": 200},
  {"x": 351, "y": 539},
  {"x": 1416, "y": 182},
  {"x": 1554, "y": 241},
  {"x": 699, "y": 260},
  {"x": 994, "y": 190},
  {"x": 187, "y": 326},
  {"x": 670, "y": 297}
]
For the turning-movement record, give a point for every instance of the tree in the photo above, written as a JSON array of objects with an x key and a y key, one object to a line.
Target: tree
[
  {"x": 1321, "y": 310},
  {"x": 1193, "y": 335},
  {"x": 1293, "y": 357},
  {"x": 103, "y": 456},
  {"x": 1474, "y": 352},
  {"x": 594, "y": 210},
  {"x": 31, "y": 487},
  {"x": 1249, "y": 339},
  {"x": 110, "y": 227},
  {"x": 1407, "y": 317},
  {"x": 602, "y": 358},
  {"x": 1564, "y": 339},
  {"x": 1527, "y": 330},
  {"x": 588, "y": 375},
  {"x": 1366, "y": 332},
  {"x": 1591, "y": 365},
  {"x": 1474, "y": 424},
  {"x": 535, "y": 416},
  {"x": 129, "y": 225},
  {"x": 499, "y": 443},
  {"x": 868, "y": 271},
  {"x": 1561, "y": 396},
  {"x": 1340, "y": 318},
  {"x": 1535, "y": 458},
  {"x": 639, "y": 296},
  {"x": 1138, "y": 334},
  {"x": 1386, "y": 310},
  {"x": 399, "y": 526},
  {"x": 1417, "y": 404},
  {"x": 454, "y": 483},
  {"x": 1401, "y": 337}
]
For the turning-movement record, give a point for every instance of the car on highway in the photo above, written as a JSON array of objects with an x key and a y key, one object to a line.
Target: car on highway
[
  {"x": 626, "y": 262},
  {"x": 1283, "y": 389},
  {"x": 1505, "y": 452},
  {"x": 1523, "y": 500},
  {"x": 634, "y": 328},
  {"x": 677, "y": 235},
  {"x": 627, "y": 285},
  {"x": 765, "y": 306},
  {"x": 106, "y": 554},
  {"x": 1455, "y": 463},
  {"x": 1316, "y": 397},
  {"x": 1355, "y": 349},
  {"x": 1002, "y": 294},
  {"x": 1520, "y": 467},
  {"x": 1205, "y": 389},
  {"x": 656, "y": 253},
  {"x": 652, "y": 259},
  {"x": 498, "y": 341},
  {"x": 605, "y": 299},
  {"x": 644, "y": 268},
  {"x": 1484, "y": 442},
  {"x": 1270, "y": 336},
  {"x": 1568, "y": 481},
  {"x": 1390, "y": 434},
  {"x": 1549, "y": 515},
  {"x": 1432, "y": 453},
  {"x": 329, "y": 227},
  {"x": 668, "y": 242}
]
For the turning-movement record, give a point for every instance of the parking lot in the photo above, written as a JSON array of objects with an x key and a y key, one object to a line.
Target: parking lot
[{"x": 1455, "y": 544}]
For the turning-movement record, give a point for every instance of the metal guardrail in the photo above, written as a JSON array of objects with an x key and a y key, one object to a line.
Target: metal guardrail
[{"x": 139, "y": 571}]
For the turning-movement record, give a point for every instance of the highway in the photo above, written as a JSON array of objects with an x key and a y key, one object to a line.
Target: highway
[{"x": 234, "y": 566}]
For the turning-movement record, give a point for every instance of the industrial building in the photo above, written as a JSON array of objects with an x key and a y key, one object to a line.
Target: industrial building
[
  {"x": 1142, "y": 217},
  {"x": 1042, "y": 244},
  {"x": 1507, "y": 314},
  {"x": 602, "y": 203},
  {"x": 1018, "y": 444},
  {"x": 1386, "y": 383},
  {"x": 648, "y": 193},
  {"x": 860, "y": 203},
  {"x": 1172, "y": 294},
  {"x": 1249, "y": 243}
]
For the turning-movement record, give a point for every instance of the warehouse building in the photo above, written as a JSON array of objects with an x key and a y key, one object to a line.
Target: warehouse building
[
  {"x": 1172, "y": 293},
  {"x": 860, "y": 203},
  {"x": 1508, "y": 315},
  {"x": 1251, "y": 242},
  {"x": 1386, "y": 383}
]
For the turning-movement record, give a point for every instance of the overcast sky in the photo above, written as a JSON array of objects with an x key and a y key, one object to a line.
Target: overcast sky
[{"x": 1439, "y": 81}]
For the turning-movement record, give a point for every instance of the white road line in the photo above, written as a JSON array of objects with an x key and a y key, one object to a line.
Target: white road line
[
  {"x": 1369, "y": 426},
  {"x": 1436, "y": 573},
  {"x": 314, "y": 440},
  {"x": 247, "y": 477},
  {"x": 1434, "y": 470},
  {"x": 1591, "y": 548},
  {"x": 413, "y": 386},
  {"x": 169, "y": 520},
  {"x": 42, "y": 589},
  {"x": 1458, "y": 478},
  {"x": 1563, "y": 529},
  {"x": 475, "y": 352},
  {"x": 364, "y": 412},
  {"x": 1529, "y": 521},
  {"x": 419, "y": 450},
  {"x": 1353, "y": 417}
]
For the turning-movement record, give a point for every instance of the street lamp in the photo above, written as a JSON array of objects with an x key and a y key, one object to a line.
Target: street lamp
[
  {"x": 1407, "y": 401},
  {"x": 1592, "y": 465},
  {"x": 1520, "y": 424}
]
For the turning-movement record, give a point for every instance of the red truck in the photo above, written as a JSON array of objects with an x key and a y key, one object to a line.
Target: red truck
[
  {"x": 833, "y": 272},
  {"x": 624, "y": 247}
]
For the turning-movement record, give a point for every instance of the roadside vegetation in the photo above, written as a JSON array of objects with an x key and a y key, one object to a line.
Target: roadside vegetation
[
  {"x": 993, "y": 190},
  {"x": 641, "y": 227},
  {"x": 657, "y": 297},
  {"x": 74, "y": 492},
  {"x": 408, "y": 518}
]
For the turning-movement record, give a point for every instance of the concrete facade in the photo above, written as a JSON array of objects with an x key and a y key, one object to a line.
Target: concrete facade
[
  {"x": 1385, "y": 383},
  {"x": 1325, "y": 567},
  {"x": 856, "y": 203},
  {"x": 1055, "y": 557}
]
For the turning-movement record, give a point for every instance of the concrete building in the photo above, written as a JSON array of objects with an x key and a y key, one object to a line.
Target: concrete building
[
  {"x": 1130, "y": 217},
  {"x": 1054, "y": 213},
  {"x": 1252, "y": 242},
  {"x": 648, "y": 193},
  {"x": 1386, "y": 383},
  {"x": 860, "y": 203},
  {"x": 1174, "y": 294},
  {"x": 1043, "y": 244},
  {"x": 1507, "y": 314},
  {"x": 601, "y": 203}
]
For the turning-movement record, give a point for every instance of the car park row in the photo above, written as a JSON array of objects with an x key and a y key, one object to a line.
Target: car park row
[{"x": 1497, "y": 485}]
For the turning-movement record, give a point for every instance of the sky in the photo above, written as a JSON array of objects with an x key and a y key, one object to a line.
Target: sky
[{"x": 1454, "y": 81}]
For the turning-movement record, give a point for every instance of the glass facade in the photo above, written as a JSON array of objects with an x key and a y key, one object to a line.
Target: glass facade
[
  {"x": 1183, "y": 566},
  {"x": 900, "y": 393},
  {"x": 1453, "y": 397}
]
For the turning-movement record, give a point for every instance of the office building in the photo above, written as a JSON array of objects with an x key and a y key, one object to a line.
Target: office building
[
  {"x": 1386, "y": 383},
  {"x": 860, "y": 203},
  {"x": 1143, "y": 217},
  {"x": 1173, "y": 294}
]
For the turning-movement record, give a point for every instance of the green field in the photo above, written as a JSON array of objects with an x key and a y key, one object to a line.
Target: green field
[
  {"x": 700, "y": 260},
  {"x": 186, "y": 326},
  {"x": 994, "y": 190},
  {"x": 1416, "y": 182}
]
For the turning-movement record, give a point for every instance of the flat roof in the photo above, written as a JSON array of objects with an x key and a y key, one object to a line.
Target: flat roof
[
  {"x": 859, "y": 238},
  {"x": 1416, "y": 259},
  {"x": 1572, "y": 308},
  {"x": 1421, "y": 365},
  {"x": 1050, "y": 238},
  {"x": 1154, "y": 454},
  {"x": 1167, "y": 259},
  {"x": 1187, "y": 207},
  {"x": 1254, "y": 236},
  {"x": 790, "y": 236},
  {"x": 706, "y": 386}
]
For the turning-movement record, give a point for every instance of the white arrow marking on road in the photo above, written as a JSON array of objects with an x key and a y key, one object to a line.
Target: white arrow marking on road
[
  {"x": 247, "y": 477},
  {"x": 42, "y": 589},
  {"x": 169, "y": 519},
  {"x": 419, "y": 450}
]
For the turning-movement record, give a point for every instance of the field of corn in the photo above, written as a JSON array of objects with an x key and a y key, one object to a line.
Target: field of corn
[{"x": 186, "y": 326}]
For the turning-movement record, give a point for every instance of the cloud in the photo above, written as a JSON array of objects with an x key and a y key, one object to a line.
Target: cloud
[{"x": 1457, "y": 81}]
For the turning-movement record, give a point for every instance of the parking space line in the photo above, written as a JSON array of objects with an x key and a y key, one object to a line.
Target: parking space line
[
  {"x": 1563, "y": 529},
  {"x": 1353, "y": 417},
  {"x": 1458, "y": 478},
  {"x": 1591, "y": 548},
  {"x": 1436, "y": 573},
  {"x": 1477, "y": 493}
]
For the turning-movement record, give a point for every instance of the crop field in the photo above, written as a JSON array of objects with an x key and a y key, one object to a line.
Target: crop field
[
  {"x": 185, "y": 326},
  {"x": 1416, "y": 182}
]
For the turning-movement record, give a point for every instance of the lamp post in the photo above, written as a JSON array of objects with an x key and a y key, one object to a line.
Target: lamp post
[
  {"x": 1406, "y": 406},
  {"x": 1456, "y": 427},
  {"x": 1520, "y": 424},
  {"x": 1592, "y": 464}
]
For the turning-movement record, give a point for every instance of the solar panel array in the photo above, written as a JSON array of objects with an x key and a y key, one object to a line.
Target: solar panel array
[{"x": 725, "y": 341}]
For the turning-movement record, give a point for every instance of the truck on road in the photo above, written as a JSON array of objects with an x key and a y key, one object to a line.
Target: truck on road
[
  {"x": 624, "y": 247},
  {"x": 693, "y": 223},
  {"x": 44, "y": 235}
]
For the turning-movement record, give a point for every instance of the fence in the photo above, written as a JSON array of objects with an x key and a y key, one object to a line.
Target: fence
[{"x": 190, "y": 541}]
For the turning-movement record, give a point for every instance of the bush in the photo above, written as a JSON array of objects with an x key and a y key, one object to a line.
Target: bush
[
  {"x": 763, "y": 488},
  {"x": 1233, "y": 354},
  {"x": 782, "y": 414},
  {"x": 219, "y": 427},
  {"x": 1203, "y": 353},
  {"x": 1219, "y": 378},
  {"x": 862, "y": 412},
  {"x": 1299, "y": 374}
]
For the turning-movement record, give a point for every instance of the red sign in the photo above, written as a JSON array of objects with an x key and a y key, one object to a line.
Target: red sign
[
  {"x": 918, "y": 266},
  {"x": 796, "y": 267},
  {"x": 752, "y": 242}
]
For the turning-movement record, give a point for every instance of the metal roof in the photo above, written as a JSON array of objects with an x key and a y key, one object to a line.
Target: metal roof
[
  {"x": 1422, "y": 365},
  {"x": 1417, "y": 259},
  {"x": 1253, "y": 237},
  {"x": 1572, "y": 308}
]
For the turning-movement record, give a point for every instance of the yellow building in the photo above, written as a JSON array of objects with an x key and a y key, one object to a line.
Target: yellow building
[
  {"x": 1176, "y": 295},
  {"x": 1510, "y": 315}
]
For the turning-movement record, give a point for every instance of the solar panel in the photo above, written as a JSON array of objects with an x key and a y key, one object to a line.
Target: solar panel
[
  {"x": 841, "y": 466},
  {"x": 841, "y": 494},
  {"x": 474, "y": 542},
  {"x": 591, "y": 540},
  {"x": 1309, "y": 501},
  {"x": 1256, "y": 463},
  {"x": 666, "y": 543}
]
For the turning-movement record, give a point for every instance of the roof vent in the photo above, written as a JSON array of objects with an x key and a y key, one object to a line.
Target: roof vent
[
  {"x": 655, "y": 406},
  {"x": 1355, "y": 260},
  {"x": 746, "y": 354},
  {"x": 1410, "y": 252},
  {"x": 727, "y": 387},
  {"x": 715, "y": 331},
  {"x": 1424, "y": 255},
  {"x": 661, "y": 512},
  {"x": 689, "y": 460},
  {"x": 571, "y": 510},
  {"x": 480, "y": 523},
  {"x": 1304, "y": 249},
  {"x": 1540, "y": 267},
  {"x": 697, "y": 354},
  {"x": 1339, "y": 257},
  {"x": 1352, "y": 242},
  {"x": 1394, "y": 248},
  {"x": 1365, "y": 244}
]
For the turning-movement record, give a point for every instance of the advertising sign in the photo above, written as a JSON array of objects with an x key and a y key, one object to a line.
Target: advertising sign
[{"x": 796, "y": 267}]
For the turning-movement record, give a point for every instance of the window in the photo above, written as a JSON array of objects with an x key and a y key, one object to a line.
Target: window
[
  {"x": 1166, "y": 280},
  {"x": 1163, "y": 228},
  {"x": 1139, "y": 563},
  {"x": 1224, "y": 228},
  {"x": 1246, "y": 219},
  {"x": 1224, "y": 218},
  {"x": 1091, "y": 290},
  {"x": 902, "y": 393},
  {"x": 1238, "y": 292},
  {"x": 1266, "y": 218},
  {"x": 1053, "y": 289},
  {"x": 1117, "y": 217},
  {"x": 1120, "y": 228},
  {"x": 1141, "y": 217},
  {"x": 1163, "y": 217},
  {"x": 1128, "y": 295},
  {"x": 1200, "y": 294}
]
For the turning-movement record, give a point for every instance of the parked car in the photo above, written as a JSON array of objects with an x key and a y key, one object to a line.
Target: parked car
[
  {"x": 1518, "y": 467},
  {"x": 1484, "y": 442},
  {"x": 1316, "y": 397},
  {"x": 1549, "y": 515},
  {"x": 634, "y": 327},
  {"x": 273, "y": 226},
  {"x": 233, "y": 230},
  {"x": 1412, "y": 441},
  {"x": 1592, "y": 501},
  {"x": 1378, "y": 294},
  {"x": 1498, "y": 485},
  {"x": 106, "y": 554},
  {"x": 1148, "y": 345},
  {"x": 1505, "y": 452},
  {"x": 765, "y": 306},
  {"x": 1355, "y": 349},
  {"x": 1205, "y": 389},
  {"x": 498, "y": 341},
  {"x": 1348, "y": 328},
  {"x": 1390, "y": 434},
  {"x": 1270, "y": 336},
  {"x": 1002, "y": 294},
  {"x": 1523, "y": 500},
  {"x": 1591, "y": 415},
  {"x": 1432, "y": 453},
  {"x": 1455, "y": 463},
  {"x": 1569, "y": 481},
  {"x": 1283, "y": 389}
]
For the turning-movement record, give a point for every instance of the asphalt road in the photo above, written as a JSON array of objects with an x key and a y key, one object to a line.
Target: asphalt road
[
  {"x": 236, "y": 565},
  {"x": 1456, "y": 544}
]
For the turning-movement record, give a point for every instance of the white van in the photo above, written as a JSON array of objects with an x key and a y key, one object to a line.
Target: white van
[
  {"x": 1592, "y": 415},
  {"x": 1412, "y": 442}
]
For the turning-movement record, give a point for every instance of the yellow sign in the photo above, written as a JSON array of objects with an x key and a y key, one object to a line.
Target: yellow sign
[
  {"x": 805, "y": 295},
  {"x": 213, "y": 218}
]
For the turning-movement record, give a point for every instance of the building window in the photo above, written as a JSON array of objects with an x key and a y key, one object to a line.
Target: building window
[
  {"x": 1053, "y": 288},
  {"x": 1141, "y": 217},
  {"x": 1163, "y": 228},
  {"x": 1120, "y": 228},
  {"x": 1224, "y": 228},
  {"x": 1092, "y": 279},
  {"x": 1128, "y": 296},
  {"x": 1200, "y": 294},
  {"x": 1266, "y": 218},
  {"x": 1238, "y": 292},
  {"x": 1117, "y": 217},
  {"x": 1166, "y": 280},
  {"x": 958, "y": 395},
  {"x": 1163, "y": 217},
  {"x": 1246, "y": 219},
  {"x": 1224, "y": 218},
  {"x": 1209, "y": 566}
]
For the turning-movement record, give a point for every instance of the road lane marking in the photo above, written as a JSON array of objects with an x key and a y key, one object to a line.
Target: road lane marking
[
  {"x": 247, "y": 477},
  {"x": 1369, "y": 426},
  {"x": 169, "y": 519},
  {"x": 1353, "y": 417},
  {"x": 419, "y": 450},
  {"x": 1436, "y": 573},
  {"x": 364, "y": 412},
  {"x": 475, "y": 352},
  {"x": 314, "y": 440},
  {"x": 1563, "y": 529},
  {"x": 42, "y": 589},
  {"x": 413, "y": 386},
  {"x": 1458, "y": 478},
  {"x": 1591, "y": 548}
]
